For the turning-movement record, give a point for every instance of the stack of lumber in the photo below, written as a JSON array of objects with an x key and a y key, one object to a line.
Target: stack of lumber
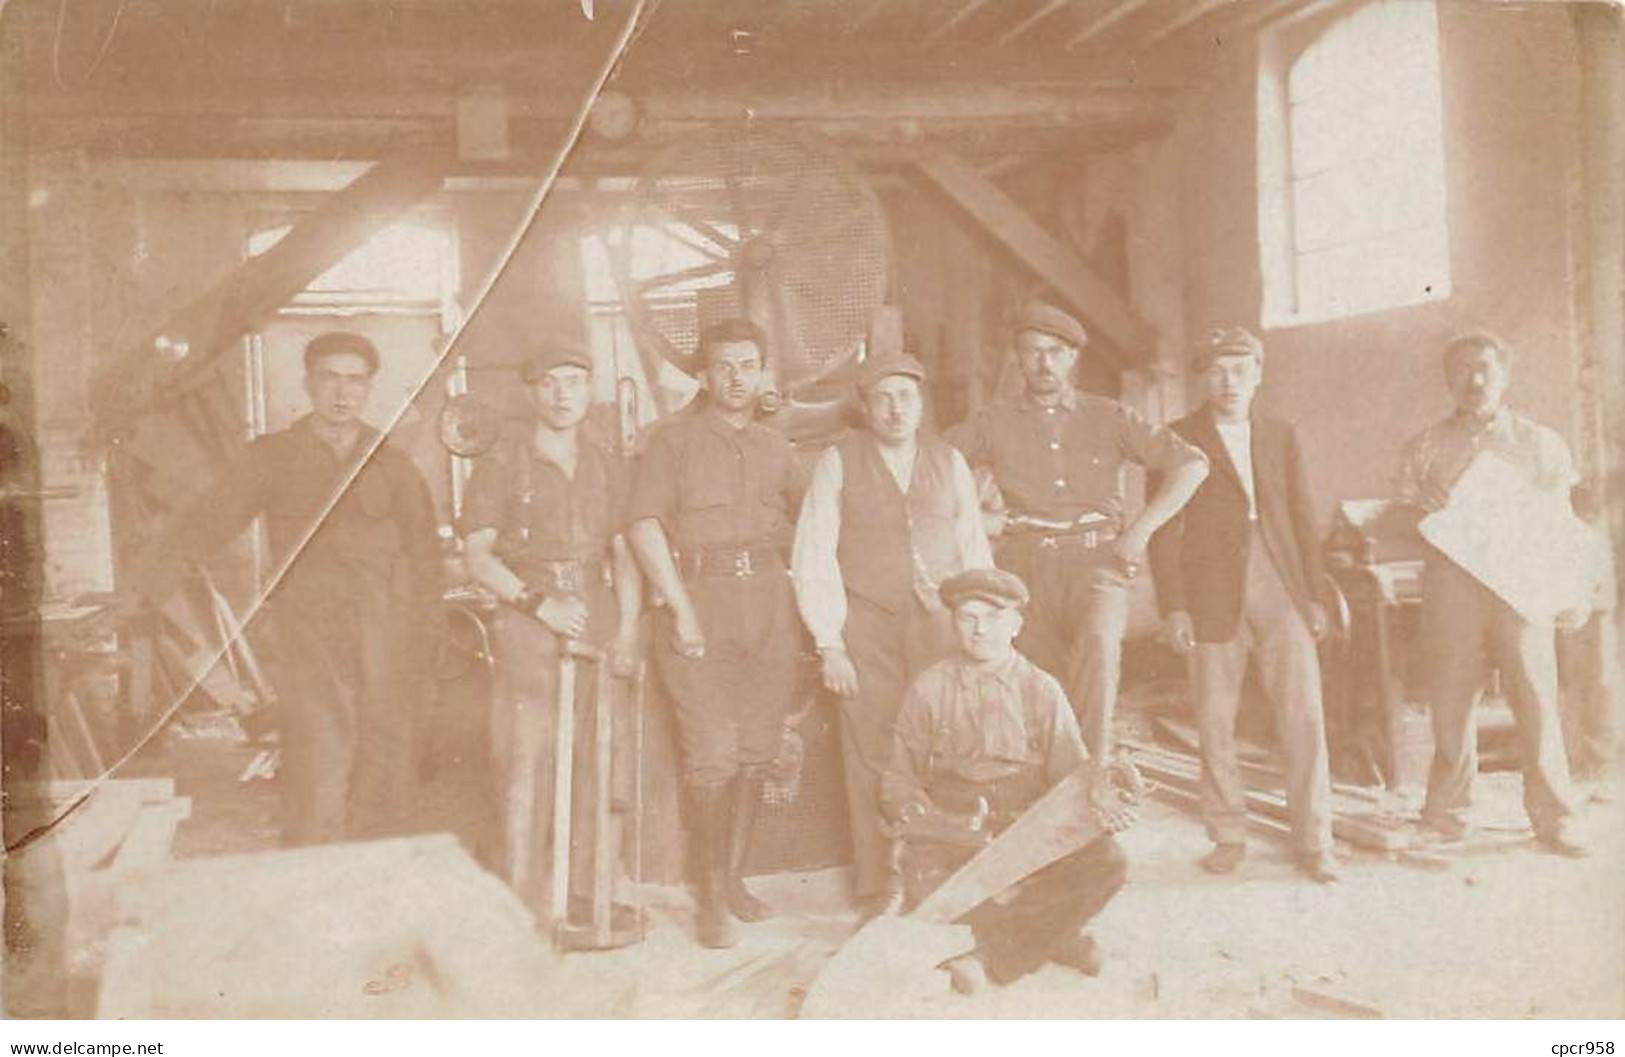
[
  {"x": 1356, "y": 813},
  {"x": 406, "y": 927},
  {"x": 77, "y": 843}
]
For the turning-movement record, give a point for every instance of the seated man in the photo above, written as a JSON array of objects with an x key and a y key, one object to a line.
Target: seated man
[{"x": 986, "y": 731}]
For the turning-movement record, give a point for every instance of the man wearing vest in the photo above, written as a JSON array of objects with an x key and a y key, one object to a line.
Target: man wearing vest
[
  {"x": 1238, "y": 573},
  {"x": 888, "y": 516}
]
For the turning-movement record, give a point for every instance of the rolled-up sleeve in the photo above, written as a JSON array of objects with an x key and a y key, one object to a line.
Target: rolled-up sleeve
[
  {"x": 969, "y": 533},
  {"x": 654, "y": 484},
  {"x": 486, "y": 495},
  {"x": 1153, "y": 446},
  {"x": 1064, "y": 749}
]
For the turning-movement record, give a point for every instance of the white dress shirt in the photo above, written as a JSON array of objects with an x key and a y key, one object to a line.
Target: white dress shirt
[
  {"x": 814, "y": 565},
  {"x": 1238, "y": 443}
]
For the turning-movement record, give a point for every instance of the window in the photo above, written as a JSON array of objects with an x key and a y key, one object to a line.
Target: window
[
  {"x": 673, "y": 277},
  {"x": 408, "y": 266},
  {"x": 1351, "y": 164}
]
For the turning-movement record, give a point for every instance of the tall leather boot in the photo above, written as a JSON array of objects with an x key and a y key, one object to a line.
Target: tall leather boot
[
  {"x": 746, "y": 794},
  {"x": 714, "y": 926}
]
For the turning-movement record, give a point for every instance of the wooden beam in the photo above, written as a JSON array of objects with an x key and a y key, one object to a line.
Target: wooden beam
[
  {"x": 1197, "y": 10},
  {"x": 1049, "y": 258},
  {"x": 1105, "y": 22},
  {"x": 1032, "y": 20},
  {"x": 968, "y": 9},
  {"x": 138, "y": 379}
]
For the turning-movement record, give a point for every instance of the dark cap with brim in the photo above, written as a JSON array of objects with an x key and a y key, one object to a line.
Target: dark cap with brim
[
  {"x": 1228, "y": 341},
  {"x": 873, "y": 370},
  {"x": 994, "y": 586},
  {"x": 557, "y": 352},
  {"x": 1045, "y": 318}
]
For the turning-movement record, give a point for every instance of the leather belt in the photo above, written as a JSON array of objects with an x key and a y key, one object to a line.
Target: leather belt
[
  {"x": 565, "y": 576},
  {"x": 1086, "y": 539},
  {"x": 739, "y": 562}
]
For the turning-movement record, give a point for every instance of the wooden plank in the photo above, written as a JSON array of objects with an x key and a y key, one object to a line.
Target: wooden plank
[
  {"x": 139, "y": 380},
  {"x": 145, "y": 790},
  {"x": 1130, "y": 337},
  {"x": 87, "y": 834},
  {"x": 1097, "y": 26},
  {"x": 151, "y": 837},
  {"x": 1360, "y": 828}
]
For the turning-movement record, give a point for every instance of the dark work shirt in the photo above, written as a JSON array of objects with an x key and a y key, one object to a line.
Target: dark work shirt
[
  {"x": 713, "y": 485},
  {"x": 539, "y": 513},
  {"x": 1062, "y": 462},
  {"x": 379, "y": 535}
]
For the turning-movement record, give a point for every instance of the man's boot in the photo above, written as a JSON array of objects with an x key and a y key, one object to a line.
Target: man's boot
[
  {"x": 714, "y": 925},
  {"x": 746, "y": 789}
]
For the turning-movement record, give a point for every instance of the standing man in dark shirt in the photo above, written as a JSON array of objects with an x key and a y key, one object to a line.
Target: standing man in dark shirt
[
  {"x": 1057, "y": 456},
  {"x": 541, "y": 519},
  {"x": 711, "y": 513},
  {"x": 363, "y": 570}
]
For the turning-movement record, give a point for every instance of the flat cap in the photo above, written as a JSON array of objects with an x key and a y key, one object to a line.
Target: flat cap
[
  {"x": 875, "y": 368},
  {"x": 555, "y": 352},
  {"x": 1046, "y": 318},
  {"x": 986, "y": 585},
  {"x": 1228, "y": 341}
]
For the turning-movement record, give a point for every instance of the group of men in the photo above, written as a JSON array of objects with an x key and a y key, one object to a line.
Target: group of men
[{"x": 967, "y": 595}]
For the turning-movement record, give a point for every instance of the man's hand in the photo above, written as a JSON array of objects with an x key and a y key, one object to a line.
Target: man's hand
[
  {"x": 1573, "y": 619},
  {"x": 993, "y": 522},
  {"x": 564, "y": 616},
  {"x": 1113, "y": 812},
  {"x": 840, "y": 675},
  {"x": 686, "y": 637},
  {"x": 1129, "y": 549},
  {"x": 1180, "y": 631},
  {"x": 623, "y": 653},
  {"x": 1319, "y": 625}
]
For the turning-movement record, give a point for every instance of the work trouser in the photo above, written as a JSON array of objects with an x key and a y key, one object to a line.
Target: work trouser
[
  {"x": 347, "y": 689},
  {"x": 524, "y": 726},
  {"x": 1588, "y": 681},
  {"x": 1019, "y": 929},
  {"x": 731, "y": 703},
  {"x": 888, "y": 650},
  {"x": 1074, "y": 624},
  {"x": 1272, "y": 632},
  {"x": 1466, "y": 628}
]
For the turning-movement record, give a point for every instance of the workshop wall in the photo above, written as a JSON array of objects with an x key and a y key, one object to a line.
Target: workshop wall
[{"x": 1359, "y": 387}]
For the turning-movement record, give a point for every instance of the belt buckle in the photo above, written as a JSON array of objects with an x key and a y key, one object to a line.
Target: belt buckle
[
  {"x": 564, "y": 578},
  {"x": 1090, "y": 537},
  {"x": 1048, "y": 541},
  {"x": 742, "y": 564}
]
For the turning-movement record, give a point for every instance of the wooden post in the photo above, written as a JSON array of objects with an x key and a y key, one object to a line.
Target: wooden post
[{"x": 1053, "y": 261}]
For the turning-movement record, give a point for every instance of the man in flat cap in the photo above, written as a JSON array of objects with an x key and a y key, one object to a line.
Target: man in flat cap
[
  {"x": 889, "y": 514},
  {"x": 1057, "y": 457},
  {"x": 1466, "y": 627},
  {"x": 711, "y": 514},
  {"x": 987, "y": 730},
  {"x": 1239, "y": 578},
  {"x": 541, "y": 522},
  {"x": 353, "y": 523}
]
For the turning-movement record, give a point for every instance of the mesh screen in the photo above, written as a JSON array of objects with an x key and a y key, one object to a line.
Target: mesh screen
[{"x": 772, "y": 224}]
